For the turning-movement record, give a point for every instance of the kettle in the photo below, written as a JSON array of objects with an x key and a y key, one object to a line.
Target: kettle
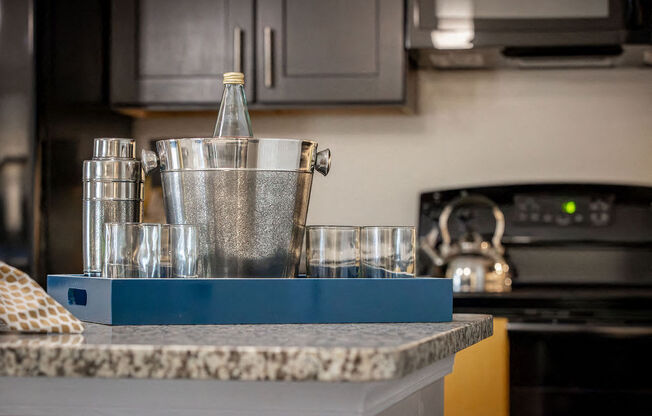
[{"x": 474, "y": 265}]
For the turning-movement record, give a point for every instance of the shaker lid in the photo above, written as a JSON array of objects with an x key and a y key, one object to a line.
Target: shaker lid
[
  {"x": 112, "y": 170},
  {"x": 114, "y": 148}
]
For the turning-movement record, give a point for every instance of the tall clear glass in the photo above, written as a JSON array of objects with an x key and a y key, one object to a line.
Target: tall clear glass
[
  {"x": 132, "y": 250},
  {"x": 233, "y": 117},
  {"x": 388, "y": 251},
  {"x": 332, "y": 251}
]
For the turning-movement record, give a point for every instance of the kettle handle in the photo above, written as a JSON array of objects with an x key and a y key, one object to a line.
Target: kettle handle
[{"x": 468, "y": 200}]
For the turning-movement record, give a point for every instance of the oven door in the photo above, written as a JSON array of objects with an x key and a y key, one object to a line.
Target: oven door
[{"x": 585, "y": 368}]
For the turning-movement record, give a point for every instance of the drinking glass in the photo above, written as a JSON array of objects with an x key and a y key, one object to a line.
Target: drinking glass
[
  {"x": 164, "y": 258},
  {"x": 132, "y": 250},
  {"x": 180, "y": 242},
  {"x": 387, "y": 251},
  {"x": 332, "y": 251}
]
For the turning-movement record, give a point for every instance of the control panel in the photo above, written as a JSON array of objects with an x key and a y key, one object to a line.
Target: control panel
[
  {"x": 548, "y": 213},
  {"x": 559, "y": 233},
  {"x": 563, "y": 210}
]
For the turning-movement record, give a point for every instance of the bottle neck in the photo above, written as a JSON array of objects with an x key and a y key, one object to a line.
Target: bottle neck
[{"x": 233, "y": 117}]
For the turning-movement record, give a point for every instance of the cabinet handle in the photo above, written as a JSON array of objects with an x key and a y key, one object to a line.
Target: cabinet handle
[
  {"x": 237, "y": 49},
  {"x": 268, "y": 57}
]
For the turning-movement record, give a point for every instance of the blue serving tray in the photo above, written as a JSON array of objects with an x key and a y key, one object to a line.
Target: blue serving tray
[{"x": 252, "y": 301}]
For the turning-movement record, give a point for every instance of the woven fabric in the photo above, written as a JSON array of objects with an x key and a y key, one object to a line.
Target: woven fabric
[{"x": 26, "y": 307}]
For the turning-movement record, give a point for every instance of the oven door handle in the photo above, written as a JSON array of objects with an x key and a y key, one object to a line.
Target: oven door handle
[{"x": 616, "y": 331}]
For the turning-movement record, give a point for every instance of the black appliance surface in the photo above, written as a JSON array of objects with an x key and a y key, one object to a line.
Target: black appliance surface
[
  {"x": 580, "y": 312},
  {"x": 71, "y": 88},
  {"x": 53, "y": 101},
  {"x": 559, "y": 233},
  {"x": 17, "y": 161}
]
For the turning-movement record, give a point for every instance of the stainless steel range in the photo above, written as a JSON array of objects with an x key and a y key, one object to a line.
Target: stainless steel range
[{"x": 580, "y": 309}]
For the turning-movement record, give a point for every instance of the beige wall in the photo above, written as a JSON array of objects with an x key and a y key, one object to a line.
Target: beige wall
[{"x": 470, "y": 127}]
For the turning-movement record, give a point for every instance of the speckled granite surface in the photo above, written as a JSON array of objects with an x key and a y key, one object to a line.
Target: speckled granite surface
[{"x": 331, "y": 352}]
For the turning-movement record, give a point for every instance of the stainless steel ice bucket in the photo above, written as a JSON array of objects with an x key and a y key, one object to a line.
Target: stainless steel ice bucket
[{"x": 249, "y": 198}]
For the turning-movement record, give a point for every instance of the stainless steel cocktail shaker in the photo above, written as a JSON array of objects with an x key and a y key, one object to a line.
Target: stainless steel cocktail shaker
[{"x": 113, "y": 192}]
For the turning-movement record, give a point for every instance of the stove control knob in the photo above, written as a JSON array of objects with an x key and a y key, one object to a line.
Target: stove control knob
[
  {"x": 563, "y": 220},
  {"x": 599, "y": 218}
]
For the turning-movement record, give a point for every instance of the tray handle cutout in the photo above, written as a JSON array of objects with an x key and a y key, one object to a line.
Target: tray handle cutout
[{"x": 77, "y": 297}]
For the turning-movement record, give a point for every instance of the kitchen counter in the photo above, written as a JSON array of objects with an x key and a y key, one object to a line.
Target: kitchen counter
[{"x": 332, "y": 352}]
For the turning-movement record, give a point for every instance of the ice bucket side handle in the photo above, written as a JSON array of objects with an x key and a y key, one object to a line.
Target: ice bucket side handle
[
  {"x": 149, "y": 160},
  {"x": 322, "y": 161}
]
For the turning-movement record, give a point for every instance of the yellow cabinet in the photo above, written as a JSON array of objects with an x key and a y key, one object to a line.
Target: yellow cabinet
[{"x": 479, "y": 383}]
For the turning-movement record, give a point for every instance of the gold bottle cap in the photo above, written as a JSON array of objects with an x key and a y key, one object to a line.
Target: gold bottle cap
[{"x": 234, "y": 78}]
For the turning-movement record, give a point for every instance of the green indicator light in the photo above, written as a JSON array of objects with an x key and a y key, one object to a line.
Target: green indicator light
[{"x": 569, "y": 207}]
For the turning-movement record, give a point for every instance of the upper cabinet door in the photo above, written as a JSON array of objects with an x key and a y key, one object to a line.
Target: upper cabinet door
[
  {"x": 335, "y": 51},
  {"x": 171, "y": 52}
]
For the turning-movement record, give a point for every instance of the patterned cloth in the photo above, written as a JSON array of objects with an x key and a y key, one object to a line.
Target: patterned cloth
[{"x": 26, "y": 307}]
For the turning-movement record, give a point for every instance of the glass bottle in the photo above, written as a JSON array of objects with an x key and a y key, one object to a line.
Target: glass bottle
[{"x": 233, "y": 117}]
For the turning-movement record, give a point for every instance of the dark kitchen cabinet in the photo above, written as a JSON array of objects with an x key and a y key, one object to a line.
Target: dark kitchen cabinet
[
  {"x": 173, "y": 53},
  {"x": 330, "y": 52}
]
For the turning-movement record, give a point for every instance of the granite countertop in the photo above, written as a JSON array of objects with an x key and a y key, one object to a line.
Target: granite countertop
[{"x": 326, "y": 352}]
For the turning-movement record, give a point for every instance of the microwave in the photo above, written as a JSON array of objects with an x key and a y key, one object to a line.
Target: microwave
[{"x": 466, "y": 24}]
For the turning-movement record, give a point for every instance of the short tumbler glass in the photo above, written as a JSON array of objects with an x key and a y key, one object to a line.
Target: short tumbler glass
[
  {"x": 150, "y": 250},
  {"x": 132, "y": 250},
  {"x": 388, "y": 251},
  {"x": 332, "y": 251},
  {"x": 179, "y": 250}
]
